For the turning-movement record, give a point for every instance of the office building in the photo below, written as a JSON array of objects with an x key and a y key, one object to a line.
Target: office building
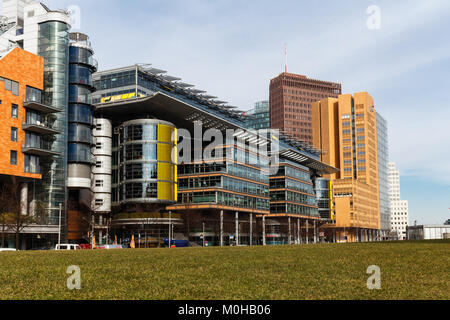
[
  {"x": 291, "y": 98},
  {"x": 399, "y": 208},
  {"x": 227, "y": 200},
  {"x": 383, "y": 160},
  {"x": 259, "y": 117},
  {"x": 345, "y": 129},
  {"x": 428, "y": 232}
]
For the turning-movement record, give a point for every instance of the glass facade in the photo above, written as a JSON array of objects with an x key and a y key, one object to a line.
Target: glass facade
[
  {"x": 236, "y": 182},
  {"x": 324, "y": 196},
  {"x": 80, "y": 116},
  {"x": 53, "y": 46},
  {"x": 383, "y": 168},
  {"x": 259, "y": 117},
  {"x": 147, "y": 173},
  {"x": 292, "y": 191}
]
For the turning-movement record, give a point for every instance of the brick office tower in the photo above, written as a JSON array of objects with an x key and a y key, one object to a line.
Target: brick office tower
[{"x": 291, "y": 99}]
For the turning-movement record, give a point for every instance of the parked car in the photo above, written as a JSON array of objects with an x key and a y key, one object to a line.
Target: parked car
[
  {"x": 7, "y": 250},
  {"x": 67, "y": 247},
  {"x": 109, "y": 247}
]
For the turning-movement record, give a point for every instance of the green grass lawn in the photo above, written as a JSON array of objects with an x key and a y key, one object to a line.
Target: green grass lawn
[{"x": 409, "y": 270}]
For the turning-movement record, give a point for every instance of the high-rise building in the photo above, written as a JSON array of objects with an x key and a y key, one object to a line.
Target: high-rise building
[
  {"x": 383, "y": 160},
  {"x": 68, "y": 67},
  {"x": 291, "y": 98},
  {"x": 399, "y": 208},
  {"x": 345, "y": 129},
  {"x": 259, "y": 117}
]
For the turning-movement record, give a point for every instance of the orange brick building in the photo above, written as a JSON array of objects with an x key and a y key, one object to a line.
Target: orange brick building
[
  {"x": 18, "y": 69},
  {"x": 345, "y": 129}
]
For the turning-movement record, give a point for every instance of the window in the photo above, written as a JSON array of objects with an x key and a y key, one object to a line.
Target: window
[
  {"x": 33, "y": 94},
  {"x": 14, "y": 133},
  {"x": 98, "y": 202},
  {"x": 32, "y": 164},
  {"x": 11, "y": 86},
  {"x": 14, "y": 111},
  {"x": 15, "y": 88},
  {"x": 99, "y": 183},
  {"x": 98, "y": 145},
  {"x": 13, "y": 158},
  {"x": 98, "y": 164}
]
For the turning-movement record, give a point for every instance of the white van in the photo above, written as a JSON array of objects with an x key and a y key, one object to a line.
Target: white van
[
  {"x": 7, "y": 250},
  {"x": 67, "y": 247}
]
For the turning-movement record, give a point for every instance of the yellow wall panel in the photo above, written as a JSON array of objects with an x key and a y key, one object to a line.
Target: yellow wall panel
[
  {"x": 165, "y": 191},
  {"x": 165, "y": 171},
  {"x": 165, "y": 133},
  {"x": 165, "y": 152}
]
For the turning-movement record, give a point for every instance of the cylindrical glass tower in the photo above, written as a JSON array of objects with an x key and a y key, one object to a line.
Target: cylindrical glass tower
[
  {"x": 80, "y": 120},
  {"x": 148, "y": 174},
  {"x": 53, "y": 46}
]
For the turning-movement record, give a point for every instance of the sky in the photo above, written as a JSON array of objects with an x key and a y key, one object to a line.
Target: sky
[{"x": 232, "y": 48}]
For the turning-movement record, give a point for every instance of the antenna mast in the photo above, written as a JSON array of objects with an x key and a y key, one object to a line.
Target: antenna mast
[{"x": 286, "y": 58}]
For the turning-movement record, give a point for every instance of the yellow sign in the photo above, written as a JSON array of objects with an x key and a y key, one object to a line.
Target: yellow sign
[{"x": 121, "y": 97}]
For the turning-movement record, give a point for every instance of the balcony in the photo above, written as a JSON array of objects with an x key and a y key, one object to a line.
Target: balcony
[
  {"x": 38, "y": 106},
  {"x": 42, "y": 149},
  {"x": 39, "y": 128}
]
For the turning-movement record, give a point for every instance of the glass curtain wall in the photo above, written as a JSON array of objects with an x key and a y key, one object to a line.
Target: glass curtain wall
[{"x": 54, "y": 48}]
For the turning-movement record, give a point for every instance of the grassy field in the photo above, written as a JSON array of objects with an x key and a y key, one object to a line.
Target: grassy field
[{"x": 409, "y": 270}]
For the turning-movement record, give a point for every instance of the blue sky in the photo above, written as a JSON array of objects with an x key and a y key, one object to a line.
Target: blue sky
[{"x": 232, "y": 48}]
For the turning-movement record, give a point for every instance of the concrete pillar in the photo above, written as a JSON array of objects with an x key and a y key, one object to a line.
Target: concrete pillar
[
  {"x": 24, "y": 198},
  {"x": 307, "y": 232},
  {"x": 237, "y": 228},
  {"x": 100, "y": 237},
  {"x": 315, "y": 231},
  {"x": 251, "y": 229},
  {"x": 221, "y": 228},
  {"x": 264, "y": 229},
  {"x": 334, "y": 235},
  {"x": 299, "y": 234},
  {"x": 289, "y": 231}
]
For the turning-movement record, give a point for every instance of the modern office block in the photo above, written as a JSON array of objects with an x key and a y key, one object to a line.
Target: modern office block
[
  {"x": 291, "y": 98},
  {"x": 222, "y": 201},
  {"x": 399, "y": 208},
  {"x": 259, "y": 117},
  {"x": 345, "y": 129},
  {"x": 383, "y": 160}
]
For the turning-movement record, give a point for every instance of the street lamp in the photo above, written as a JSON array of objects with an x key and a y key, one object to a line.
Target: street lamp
[
  {"x": 59, "y": 225},
  {"x": 203, "y": 234}
]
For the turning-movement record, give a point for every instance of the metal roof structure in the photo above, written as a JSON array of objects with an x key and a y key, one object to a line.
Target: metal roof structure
[{"x": 192, "y": 104}]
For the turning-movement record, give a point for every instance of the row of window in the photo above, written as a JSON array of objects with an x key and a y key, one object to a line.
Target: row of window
[
  {"x": 31, "y": 162},
  {"x": 291, "y": 184},
  {"x": 290, "y": 196},
  {"x": 293, "y": 209},
  {"x": 223, "y": 198},
  {"x": 11, "y": 85}
]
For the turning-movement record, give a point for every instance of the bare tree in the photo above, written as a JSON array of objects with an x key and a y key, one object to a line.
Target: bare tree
[
  {"x": 5, "y": 215},
  {"x": 13, "y": 218}
]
